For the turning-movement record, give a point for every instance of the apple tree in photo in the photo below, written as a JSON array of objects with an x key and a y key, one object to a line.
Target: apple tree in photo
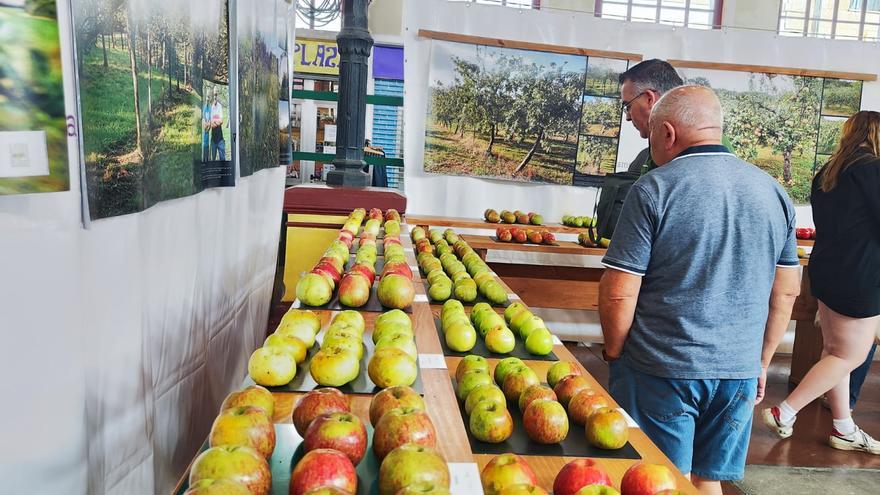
[{"x": 601, "y": 117}]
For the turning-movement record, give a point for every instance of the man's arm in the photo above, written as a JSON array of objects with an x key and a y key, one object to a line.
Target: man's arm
[
  {"x": 618, "y": 293},
  {"x": 786, "y": 287}
]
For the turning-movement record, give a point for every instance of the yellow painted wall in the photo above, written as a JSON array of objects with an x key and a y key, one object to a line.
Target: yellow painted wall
[{"x": 305, "y": 245}]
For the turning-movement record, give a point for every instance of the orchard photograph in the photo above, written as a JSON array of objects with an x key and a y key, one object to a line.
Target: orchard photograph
[
  {"x": 775, "y": 121},
  {"x": 503, "y": 113},
  {"x": 153, "y": 80}
]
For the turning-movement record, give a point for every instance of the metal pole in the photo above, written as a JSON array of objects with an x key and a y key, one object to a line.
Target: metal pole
[{"x": 355, "y": 44}]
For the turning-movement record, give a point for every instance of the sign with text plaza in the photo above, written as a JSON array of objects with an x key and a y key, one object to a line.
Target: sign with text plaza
[{"x": 316, "y": 57}]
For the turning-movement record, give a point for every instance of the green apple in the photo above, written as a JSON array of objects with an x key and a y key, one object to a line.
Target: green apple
[
  {"x": 217, "y": 487},
  {"x": 500, "y": 340},
  {"x": 334, "y": 367},
  {"x": 291, "y": 344},
  {"x": 471, "y": 380},
  {"x": 517, "y": 321},
  {"x": 440, "y": 290},
  {"x": 465, "y": 290},
  {"x": 394, "y": 316},
  {"x": 490, "y": 422},
  {"x": 534, "y": 393},
  {"x": 410, "y": 465},
  {"x": 478, "y": 310},
  {"x": 494, "y": 292},
  {"x": 351, "y": 318},
  {"x": 301, "y": 317},
  {"x": 400, "y": 341},
  {"x": 232, "y": 462},
  {"x": 390, "y": 367},
  {"x": 505, "y": 366},
  {"x": 512, "y": 310},
  {"x": 390, "y": 329},
  {"x": 253, "y": 395},
  {"x": 461, "y": 275},
  {"x": 246, "y": 425},
  {"x": 436, "y": 275},
  {"x": 461, "y": 337},
  {"x": 530, "y": 325},
  {"x": 314, "y": 290},
  {"x": 471, "y": 362},
  {"x": 489, "y": 322},
  {"x": 272, "y": 366},
  {"x": 452, "y": 305},
  {"x": 559, "y": 370},
  {"x": 540, "y": 342},
  {"x": 484, "y": 393},
  {"x": 517, "y": 381},
  {"x": 300, "y": 332},
  {"x": 483, "y": 277},
  {"x": 454, "y": 320}
]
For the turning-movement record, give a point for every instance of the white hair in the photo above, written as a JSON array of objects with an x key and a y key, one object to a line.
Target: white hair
[{"x": 686, "y": 107}]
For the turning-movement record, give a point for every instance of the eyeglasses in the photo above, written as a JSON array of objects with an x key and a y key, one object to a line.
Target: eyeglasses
[{"x": 629, "y": 103}]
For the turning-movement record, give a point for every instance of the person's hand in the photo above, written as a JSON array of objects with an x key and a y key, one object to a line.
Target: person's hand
[{"x": 762, "y": 385}]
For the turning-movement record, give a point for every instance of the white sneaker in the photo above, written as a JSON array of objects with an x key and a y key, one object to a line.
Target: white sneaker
[
  {"x": 770, "y": 418},
  {"x": 858, "y": 441}
]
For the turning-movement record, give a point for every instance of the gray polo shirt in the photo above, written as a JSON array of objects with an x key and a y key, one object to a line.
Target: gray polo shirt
[{"x": 706, "y": 232}]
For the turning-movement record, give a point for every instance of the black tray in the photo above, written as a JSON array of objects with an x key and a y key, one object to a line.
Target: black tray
[
  {"x": 519, "y": 350},
  {"x": 574, "y": 445},
  {"x": 303, "y": 381},
  {"x": 380, "y": 248},
  {"x": 289, "y": 450}
]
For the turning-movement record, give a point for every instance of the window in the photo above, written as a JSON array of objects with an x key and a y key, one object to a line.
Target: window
[
  {"x": 516, "y": 4},
  {"x": 832, "y": 19},
  {"x": 700, "y": 14}
]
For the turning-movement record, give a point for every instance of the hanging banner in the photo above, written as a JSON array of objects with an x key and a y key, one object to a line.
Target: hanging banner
[
  {"x": 33, "y": 127},
  {"x": 316, "y": 57},
  {"x": 154, "y": 93}
]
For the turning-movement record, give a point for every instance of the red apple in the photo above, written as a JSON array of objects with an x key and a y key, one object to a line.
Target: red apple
[
  {"x": 247, "y": 425},
  {"x": 364, "y": 269},
  {"x": 536, "y": 237},
  {"x": 217, "y": 487},
  {"x": 389, "y": 240},
  {"x": 396, "y": 291},
  {"x": 647, "y": 479},
  {"x": 354, "y": 290},
  {"x": 401, "y": 426},
  {"x": 584, "y": 404},
  {"x": 517, "y": 381},
  {"x": 233, "y": 462},
  {"x": 333, "y": 261},
  {"x": 522, "y": 218},
  {"x": 392, "y": 214},
  {"x": 523, "y": 489},
  {"x": 375, "y": 213},
  {"x": 392, "y": 398},
  {"x": 323, "y": 468},
  {"x": 505, "y": 236},
  {"x": 315, "y": 403},
  {"x": 254, "y": 395},
  {"x": 412, "y": 464},
  {"x": 598, "y": 490},
  {"x": 338, "y": 431},
  {"x": 506, "y": 470},
  {"x": 559, "y": 370},
  {"x": 520, "y": 237},
  {"x": 328, "y": 490},
  {"x": 578, "y": 474},
  {"x": 535, "y": 392},
  {"x": 545, "y": 421},
  {"x": 490, "y": 422},
  {"x": 327, "y": 270},
  {"x": 549, "y": 238},
  {"x": 397, "y": 268},
  {"x": 569, "y": 386},
  {"x": 607, "y": 429},
  {"x": 346, "y": 237}
]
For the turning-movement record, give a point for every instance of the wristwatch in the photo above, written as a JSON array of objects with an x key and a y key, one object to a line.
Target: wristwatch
[{"x": 608, "y": 358}]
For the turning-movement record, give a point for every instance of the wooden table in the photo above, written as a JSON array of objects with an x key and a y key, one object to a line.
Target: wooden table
[
  {"x": 477, "y": 223},
  {"x": 443, "y": 407}
]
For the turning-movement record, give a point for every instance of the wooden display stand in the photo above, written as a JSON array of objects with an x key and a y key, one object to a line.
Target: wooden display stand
[{"x": 443, "y": 407}]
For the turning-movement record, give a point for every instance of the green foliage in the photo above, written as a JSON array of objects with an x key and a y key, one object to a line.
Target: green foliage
[
  {"x": 841, "y": 98},
  {"x": 829, "y": 136},
  {"x": 596, "y": 155},
  {"x": 601, "y": 117}
]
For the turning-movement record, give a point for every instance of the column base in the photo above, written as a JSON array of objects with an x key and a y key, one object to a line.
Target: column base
[{"x": 349, "y": 178}]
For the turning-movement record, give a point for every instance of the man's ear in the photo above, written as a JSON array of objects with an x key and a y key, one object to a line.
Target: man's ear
[
  {"x": 652, "y": 97},
  {"x": 669, "y": 136}
]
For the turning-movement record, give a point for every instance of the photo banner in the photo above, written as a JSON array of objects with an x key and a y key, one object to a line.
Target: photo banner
[
  {"x": 33, "y": 125},
  {"x": 522, "y": 115},
  {"x": 154, "y": 97}
]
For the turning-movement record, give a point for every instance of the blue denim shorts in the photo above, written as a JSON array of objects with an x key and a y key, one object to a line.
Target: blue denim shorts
[{"x": 703, "y": 426}]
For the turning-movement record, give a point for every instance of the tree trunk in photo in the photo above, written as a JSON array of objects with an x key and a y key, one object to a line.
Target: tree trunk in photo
[
  {"x": 491, "y": 140},
  {"x": 168, "y": 66},
  {"x": 104, "y": 49},
  {"x": 786, "y": 166},
  {"x": 531, "y": 152},
  {"x": 134, "y": 82},
  {"x": 149, "y": 81}
]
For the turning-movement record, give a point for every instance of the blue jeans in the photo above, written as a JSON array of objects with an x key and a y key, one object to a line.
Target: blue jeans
[
  {"x": 218, "y": 150},
  {"x": 857, "y": 378},
  {"x": 703, "y": 426}
]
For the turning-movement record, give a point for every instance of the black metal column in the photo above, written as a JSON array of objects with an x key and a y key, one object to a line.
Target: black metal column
[{"x": 354, "y": 43}]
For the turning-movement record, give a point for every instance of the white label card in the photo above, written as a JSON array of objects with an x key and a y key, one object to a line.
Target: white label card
[
  {"x": 23, "y": 154},
  {"x": 432, "y": 361},
  {"x": 556, "y": 340},
  {"x": 465, "y": 479},
  {"x": 421, "y": 298},
  {"x": 515, "y": 297},
  {"x": 629, "y": 421}
]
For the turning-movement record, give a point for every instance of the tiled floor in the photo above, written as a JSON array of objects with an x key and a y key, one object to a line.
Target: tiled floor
[{"x": 774, "y": 464}]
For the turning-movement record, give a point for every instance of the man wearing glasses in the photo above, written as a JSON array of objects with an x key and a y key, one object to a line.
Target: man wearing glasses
[{"x": 640, "y": 88}]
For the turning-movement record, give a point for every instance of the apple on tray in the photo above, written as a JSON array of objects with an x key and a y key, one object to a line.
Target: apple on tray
[
  {"x": 233, "y": 462},
  {"x": 578, "y": 474},
  {"x": 392, "y": 398},
  {"x": 484, "y": 393},
  {"x": 412, "y": 464},
  {"x": 506, "y": 470},
  {"x": 246, "y": 425},
  {"x": 334, "y": 366},
  {"x": 546, "y": 421},
  {"x": 647, "y": 479},
  {"x": 607, "y": 429},
  {"x": 490, "y": 422},
  {"x": 584, "y": 404},
  {"x": 315, "y": 403},
  {"x": 322, "y": 468},
  {"x": 559, "y": 370},
  {"x": 272, "y": 366},
  {"x": 523, "y": 489},
  {"x": 401, "y": 426},
  {"x": 569, "y": 386},
  {"x": 217, "y": 487},
  {"x": 340, "y": 431},
  {"x": 533, "y": 393},
  {"x": 396, "y": 291},
  {"x": 253, "y": 395},
  {"x": 391, "y": 366}
]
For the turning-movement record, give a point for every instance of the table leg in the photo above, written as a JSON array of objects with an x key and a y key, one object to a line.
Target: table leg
[{"x": 807, "y": 339}]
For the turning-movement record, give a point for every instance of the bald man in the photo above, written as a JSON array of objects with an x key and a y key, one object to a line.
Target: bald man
[{"x": 702, "y": 274}]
